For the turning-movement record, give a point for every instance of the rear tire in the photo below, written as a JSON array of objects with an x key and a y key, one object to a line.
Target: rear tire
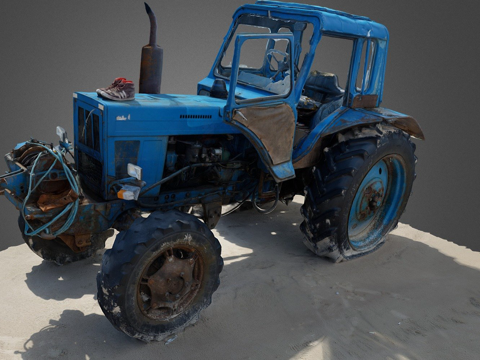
[
  {"x": 159, "y": 275},
  {"x": 358, "y": 193}
]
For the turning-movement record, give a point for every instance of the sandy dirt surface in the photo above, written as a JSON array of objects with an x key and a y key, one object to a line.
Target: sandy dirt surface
[{"x": 417, "y": 297}]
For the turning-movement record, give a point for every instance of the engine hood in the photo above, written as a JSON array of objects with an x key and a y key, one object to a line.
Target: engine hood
[{"x": 174, "y": 114}]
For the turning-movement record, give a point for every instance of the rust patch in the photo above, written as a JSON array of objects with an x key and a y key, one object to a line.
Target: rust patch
[
  {"x": 410, "y": 126},
  {"x": 166, "y": 292},
  {"x": 312, "y": 158},
  {"x": 266, "y": 196},
  {"x": 78, "y": 242},
  {"x": 274, "y": 126},
  {"x": 364, "y": 101},
  {"x": 69, "y": 240},
  {"x": 82, "y": 240},
  {"x": 47, "y": 202}
]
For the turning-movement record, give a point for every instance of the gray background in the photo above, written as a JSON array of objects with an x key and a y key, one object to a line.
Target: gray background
[{"x": 49, "y": 49}]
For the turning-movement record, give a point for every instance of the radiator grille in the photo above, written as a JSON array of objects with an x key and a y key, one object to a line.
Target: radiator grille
[
  {"x": 89, "y": 128},
  {"x": 90, "y": 169}
]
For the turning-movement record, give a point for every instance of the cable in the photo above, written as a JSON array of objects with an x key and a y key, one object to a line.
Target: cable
[
  {"x": 268, "y": 211},
  {"x": 238, "y": 206},
  {"x": 164, "y": 180},
  {"x": 72, "y": 207}
]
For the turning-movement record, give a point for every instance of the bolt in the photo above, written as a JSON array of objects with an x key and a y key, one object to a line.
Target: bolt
[{"x": 182, "y": 273}]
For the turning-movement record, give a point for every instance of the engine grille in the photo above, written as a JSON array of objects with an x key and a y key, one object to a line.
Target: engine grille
[
  {"x": 90, "y": 170},
  {"x": 89, "y": 128}
]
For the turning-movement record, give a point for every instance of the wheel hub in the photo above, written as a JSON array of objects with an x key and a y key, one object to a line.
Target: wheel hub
[
  {"x": 169, "y": 284},
  {"x": 376, "y": 202},
  {"x": 169, "y": 290},
  {"x": 371, "y": 201}
]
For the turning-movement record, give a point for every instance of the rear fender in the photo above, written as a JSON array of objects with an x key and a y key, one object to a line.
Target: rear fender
[{"x": 345, "y": 118}]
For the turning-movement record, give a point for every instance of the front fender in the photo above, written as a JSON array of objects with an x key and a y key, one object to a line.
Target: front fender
[{"x": 345, "y": 118}]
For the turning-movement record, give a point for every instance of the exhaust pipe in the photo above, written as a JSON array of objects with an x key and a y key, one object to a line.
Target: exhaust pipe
[{"x": 152, "y": 60}]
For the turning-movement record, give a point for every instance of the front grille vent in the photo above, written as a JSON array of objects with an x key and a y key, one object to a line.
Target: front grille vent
[
  {"x": 90, "y": 169},
  {"x": 195, "y": 116},
  {"x": 89, "y": 129}
]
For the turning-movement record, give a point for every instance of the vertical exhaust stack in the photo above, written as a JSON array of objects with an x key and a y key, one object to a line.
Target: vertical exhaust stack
[{"x": 152, "y": 60}]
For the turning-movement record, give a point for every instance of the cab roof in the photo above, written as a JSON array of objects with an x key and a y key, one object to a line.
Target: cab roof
[{"x": 331, "y": 21}]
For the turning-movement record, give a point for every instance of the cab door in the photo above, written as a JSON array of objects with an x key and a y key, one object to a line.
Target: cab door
[{"x": 261, "y": 98}]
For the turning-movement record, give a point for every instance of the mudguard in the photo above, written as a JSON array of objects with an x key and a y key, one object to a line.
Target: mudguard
[{"x": 344, "y": 118}]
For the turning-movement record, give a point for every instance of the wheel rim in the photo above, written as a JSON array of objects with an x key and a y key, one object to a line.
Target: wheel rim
[
  {"x": 377, "y": 202},
  {"x": 169, "y": 284}
]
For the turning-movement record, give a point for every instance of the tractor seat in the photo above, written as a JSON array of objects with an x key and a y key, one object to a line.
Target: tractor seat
[{"x": 323, "y": 87}]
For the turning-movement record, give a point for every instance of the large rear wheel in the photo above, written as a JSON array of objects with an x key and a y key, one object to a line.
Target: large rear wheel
[{"x": 359, "y": 192}]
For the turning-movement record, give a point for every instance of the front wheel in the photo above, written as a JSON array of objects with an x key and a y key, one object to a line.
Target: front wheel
[
  {"x": 359, "y": 192},
  {"x": 159, "y": 275}
]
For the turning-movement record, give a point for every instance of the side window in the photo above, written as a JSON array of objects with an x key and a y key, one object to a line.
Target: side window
[
  {"x": 333, "y": 56},
  {"x": 365, "y": 70},
  {"x": 330, "y": 70}
]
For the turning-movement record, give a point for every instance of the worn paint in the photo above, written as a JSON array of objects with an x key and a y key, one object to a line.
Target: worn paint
[{"x": 109, "y": 134}]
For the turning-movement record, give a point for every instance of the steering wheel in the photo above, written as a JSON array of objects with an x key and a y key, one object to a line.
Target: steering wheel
[{"x": 281, "y": 65}]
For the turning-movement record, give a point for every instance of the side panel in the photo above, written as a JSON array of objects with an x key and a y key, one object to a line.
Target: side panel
[
  {"x": 273, "y": 126},
  {"x": 147, "y": 152}
]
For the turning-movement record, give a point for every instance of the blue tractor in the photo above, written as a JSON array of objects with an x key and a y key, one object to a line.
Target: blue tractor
[{"x": 264, "y": 126}]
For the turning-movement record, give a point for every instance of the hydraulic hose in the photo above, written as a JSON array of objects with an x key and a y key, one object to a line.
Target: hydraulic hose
[
  {"x": 267, "y": 211},
  {"x": 176, "y": 173}
]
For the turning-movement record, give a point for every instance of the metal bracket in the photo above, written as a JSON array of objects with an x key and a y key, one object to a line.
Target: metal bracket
[{"x": 211, "y": 213}]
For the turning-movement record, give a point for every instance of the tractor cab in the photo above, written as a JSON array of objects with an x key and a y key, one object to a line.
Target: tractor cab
[{"x": 281, "y": 94}]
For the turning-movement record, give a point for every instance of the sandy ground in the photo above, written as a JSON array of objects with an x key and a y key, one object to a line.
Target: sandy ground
[{"x": 418, "y": 297}]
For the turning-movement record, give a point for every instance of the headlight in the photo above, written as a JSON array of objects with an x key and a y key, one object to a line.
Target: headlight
[{"x": 134, "y": 171}]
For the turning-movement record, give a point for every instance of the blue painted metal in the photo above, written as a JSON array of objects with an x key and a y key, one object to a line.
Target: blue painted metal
[
  {"x": 376, "y": 202},
  {"x": 151, "y": 119},
  {"x": 345, "y": 118},
  {"x": 324, "y": 21}
]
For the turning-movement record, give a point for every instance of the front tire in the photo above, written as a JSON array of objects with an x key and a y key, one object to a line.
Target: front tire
[
  {"x": 159, "y": 275},
  {"x": 359, "y": 192}
]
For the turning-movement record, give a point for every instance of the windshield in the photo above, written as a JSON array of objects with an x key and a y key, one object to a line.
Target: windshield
[{"x": 264, "y": 63}]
